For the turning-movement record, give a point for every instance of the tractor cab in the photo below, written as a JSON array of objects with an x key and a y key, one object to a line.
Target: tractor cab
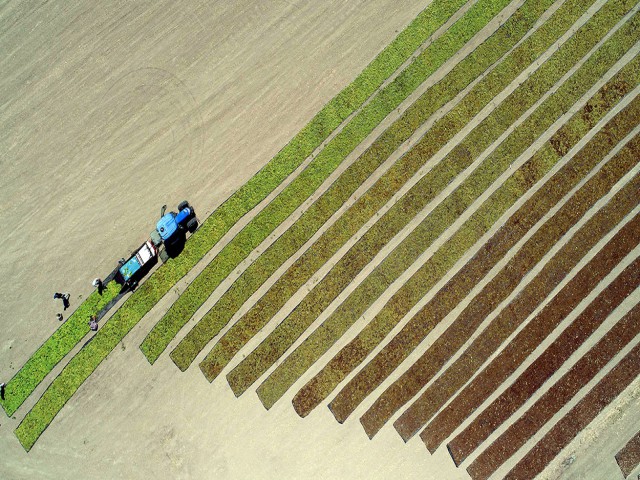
[
  {"x": 167, "y": 225},
  {"x": 172, "y": 228}
]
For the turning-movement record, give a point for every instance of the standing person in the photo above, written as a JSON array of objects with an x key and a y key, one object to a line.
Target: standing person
[
  {"x": 64, "y": 297},
  {"x": 99, "y": 285},
  {"x": 65, "y": 301},
  {"x": 2, "y": 387},
  {"x": 59, "y": 317}
]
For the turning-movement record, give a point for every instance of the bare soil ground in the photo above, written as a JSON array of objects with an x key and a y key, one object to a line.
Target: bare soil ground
[{"x": 108, "y": 112}]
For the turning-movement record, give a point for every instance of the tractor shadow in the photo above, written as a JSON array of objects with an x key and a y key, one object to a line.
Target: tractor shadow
[{"x": 176, "y": 248}]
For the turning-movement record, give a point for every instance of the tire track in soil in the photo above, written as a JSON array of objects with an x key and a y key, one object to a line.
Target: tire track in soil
[{"x": 555, "y": 355}]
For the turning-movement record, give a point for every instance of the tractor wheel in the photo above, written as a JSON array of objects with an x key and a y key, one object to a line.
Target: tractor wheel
[
  {"x": 164, "y": 256},
  {"x": 192, "y": 225},
  {"x": 156, "y": 239},
  {"x": 184, "y": 204}
]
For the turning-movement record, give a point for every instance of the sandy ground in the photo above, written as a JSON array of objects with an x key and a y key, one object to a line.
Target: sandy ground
[{"x": 109, "y": 112}]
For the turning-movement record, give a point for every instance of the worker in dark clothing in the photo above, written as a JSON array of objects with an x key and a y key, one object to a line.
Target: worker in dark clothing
[
  {"x": 64, "y": 297},
  {"x": 99, "y": 285}
]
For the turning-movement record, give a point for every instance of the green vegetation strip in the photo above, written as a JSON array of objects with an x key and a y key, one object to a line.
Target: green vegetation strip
[
  {"x": 309, "y": 180},
  {"x": 54, "y": 349},
  {"x": 295, "y": 237},
  {"x": 551, "y": 360},
  {"x": 402, "y": 213},
  {"x": 507, "y": 321},
  {"x": 580, "y": 416},
  {"x": 399, "y": 305},
  {"x": 318, "y": 388},
  {"x": 629, "y": 457},
  {"x": 332, "y": 329},
  {"x": 507, "y": 280},
  {"x": 234, "y": 208},
  {"x": 334, "y": 238}
]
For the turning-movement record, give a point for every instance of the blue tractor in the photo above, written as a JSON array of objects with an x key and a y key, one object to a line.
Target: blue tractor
[{"x": 172, "y": 228}]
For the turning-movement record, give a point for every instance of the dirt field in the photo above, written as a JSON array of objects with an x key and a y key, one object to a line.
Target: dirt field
[{"x": 110, "y": 111}]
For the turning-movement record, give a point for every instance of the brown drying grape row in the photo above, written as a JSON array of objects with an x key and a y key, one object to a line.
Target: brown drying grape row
[
  {"x": 483, "y": 385},
  {"x": 629, "y": 457},
  {"x": 549, "y": 362},
  {"x": 614, "y": 383}
]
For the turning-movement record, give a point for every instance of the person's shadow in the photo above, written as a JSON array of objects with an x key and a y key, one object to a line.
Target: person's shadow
[
  {"x": 88, "y": 342},
  {"x": 177, "y": 246}
]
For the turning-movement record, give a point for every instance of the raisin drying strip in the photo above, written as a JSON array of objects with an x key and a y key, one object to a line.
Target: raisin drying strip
[
  {"x": 578, "y": 418},
  {"x": 568, "y": 386},
  {"x": 629, "y": 457},
  {"x": 483, "y": 385}
]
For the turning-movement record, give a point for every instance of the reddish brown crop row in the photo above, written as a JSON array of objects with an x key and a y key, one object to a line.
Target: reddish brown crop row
[
  {"x": 578, "y": 418},
  {"x": 549, "y": 362},
  {"x": 629, "y": 457},
  {"x": 521, "y": 346}
]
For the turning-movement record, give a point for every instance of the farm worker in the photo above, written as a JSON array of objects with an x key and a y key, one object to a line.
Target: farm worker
[
  {"x": 99, "y": 285},
  {"x": 2, "y": 387},
  {"x": 64, "y": 297},
  {"x": 93, "y": 323}
]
